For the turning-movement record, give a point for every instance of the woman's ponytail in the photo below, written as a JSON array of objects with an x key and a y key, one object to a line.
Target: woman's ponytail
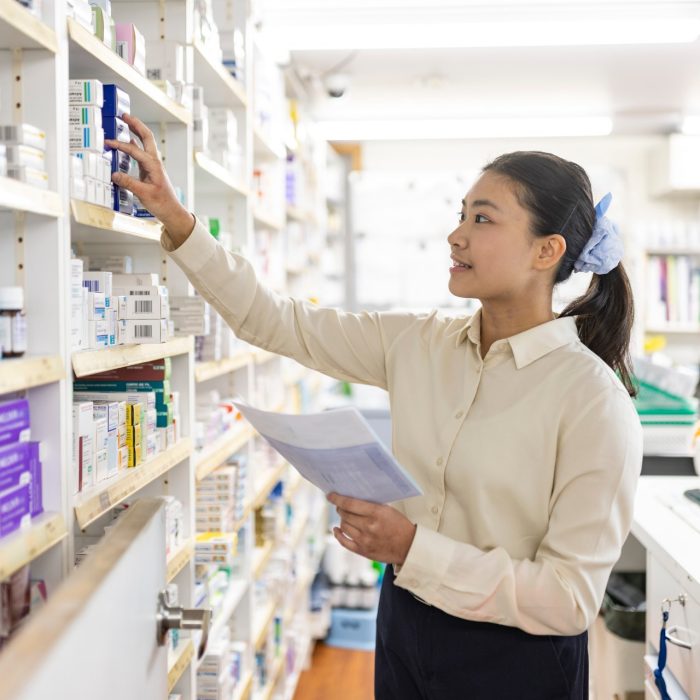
[
  {"x": 604, "y": 317},
  {"x": 558, "y": 195}
]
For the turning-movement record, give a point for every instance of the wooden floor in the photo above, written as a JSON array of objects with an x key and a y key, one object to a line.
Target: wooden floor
[{"x": 338, "y": 674}]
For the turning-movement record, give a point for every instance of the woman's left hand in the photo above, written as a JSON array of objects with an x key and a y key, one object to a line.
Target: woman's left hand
[{"x": 375, "y": 531}]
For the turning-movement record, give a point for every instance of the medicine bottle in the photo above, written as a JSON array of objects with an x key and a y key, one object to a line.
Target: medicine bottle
[{"x": 13, "y": 322}]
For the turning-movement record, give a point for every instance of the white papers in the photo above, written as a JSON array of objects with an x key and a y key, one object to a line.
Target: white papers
[{"x": 337, "y": 451}]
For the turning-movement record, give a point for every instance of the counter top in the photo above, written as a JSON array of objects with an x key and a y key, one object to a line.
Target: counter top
[{"x": 668, "y": 525}]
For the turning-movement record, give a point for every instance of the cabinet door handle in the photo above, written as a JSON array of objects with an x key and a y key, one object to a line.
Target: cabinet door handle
[
  {"x": 674, "y": 640},
  {"x": 169, "y": 617}
]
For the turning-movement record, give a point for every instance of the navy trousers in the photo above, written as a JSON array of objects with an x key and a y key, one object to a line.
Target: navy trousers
[{"x": 423, "y": 653}]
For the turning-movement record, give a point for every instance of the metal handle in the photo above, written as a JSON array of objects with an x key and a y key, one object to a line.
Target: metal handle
[
  {"x": 169, "y": 618},
  {"x": 674, "y": 640}
]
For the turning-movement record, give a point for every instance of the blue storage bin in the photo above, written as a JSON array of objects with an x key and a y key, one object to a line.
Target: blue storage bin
[{"x": 353, "y": 629}]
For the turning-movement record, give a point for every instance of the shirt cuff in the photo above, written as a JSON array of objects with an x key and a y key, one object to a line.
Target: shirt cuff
[
  {"x": 426, "y": 563},
  {"x": 195, "y": 252}
]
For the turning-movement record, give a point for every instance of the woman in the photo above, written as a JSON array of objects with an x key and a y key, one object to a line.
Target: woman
[{"x": 514, "y": 422}]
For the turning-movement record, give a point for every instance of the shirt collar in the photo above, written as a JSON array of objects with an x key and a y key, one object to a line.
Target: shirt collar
[{"x": 530, "y": 345}]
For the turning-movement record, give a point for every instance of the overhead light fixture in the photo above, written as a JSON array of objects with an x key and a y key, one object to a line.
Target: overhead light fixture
[
  {"x": 584, "y": 32},
  {"x": 691, "y": 126},
  {"x": 429, "y": 129}
]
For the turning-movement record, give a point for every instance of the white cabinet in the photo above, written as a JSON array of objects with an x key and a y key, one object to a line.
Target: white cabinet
[
  {"x": 674, "y": 166},
  {"x": 96, "y": 637}
]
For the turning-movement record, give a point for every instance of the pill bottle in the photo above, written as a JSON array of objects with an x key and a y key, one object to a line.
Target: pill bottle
[{"x": 13, "y": 322}]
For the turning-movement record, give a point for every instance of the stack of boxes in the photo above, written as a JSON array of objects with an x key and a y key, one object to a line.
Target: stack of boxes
[
  {"x": 231, "y": 38},
  {"x": 95, "y": 111},
  {"x": 223, "y": 139},
  {"x": 131, "y": 413},
  {"x": 214, "y": 416},
  {"x": 109, "y": 309},
  {"x": 20, "y": 468},
  {"x": 190, "y": 316},
  {"x": 220, "y": 498},
  {"x": 221, "y": 669},
  {"x": 81, "y": 12},
  {"x": 23, "y": 154},
  {"x": 165, "y": 67}
]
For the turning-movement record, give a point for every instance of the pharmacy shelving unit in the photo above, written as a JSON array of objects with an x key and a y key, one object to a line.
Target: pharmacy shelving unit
[{"x": 42, "y": 228}]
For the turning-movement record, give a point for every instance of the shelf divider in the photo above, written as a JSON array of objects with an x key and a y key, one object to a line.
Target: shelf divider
[{"x": 183, "y": 659}]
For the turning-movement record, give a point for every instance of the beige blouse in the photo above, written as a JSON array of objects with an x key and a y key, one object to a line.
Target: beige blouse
[{"x": 528, "y": 458}]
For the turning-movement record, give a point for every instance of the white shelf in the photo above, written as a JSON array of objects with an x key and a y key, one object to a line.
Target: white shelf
[
  {"x": 687, "y": 329},
  {"x": 245, "y": 687},
  {"x": 183, "y": 658},
  {"x": 673, "y": 251},
  {"x": 264, "y": 148},
  {"x": 267, "y": 692},
  {"x": 264, "y": 220},
  {"x": 221, "y": 449},
  {"x": 266, "y": 483},
  {"x": 261, "y": 623},
  {"x": 27, "y": 372},
  {"x": 261, "y": 557},
  {"x": 24, "y": 546},
  {"x": 221, "y": 89},
  {"x": 211, "y": 176},
  {"x": 204, "y": 371},
  {"x": 98, "y": 224},
  {"x": 236, "y": 590},
  {"x": 92, "y": 504},
  {"x": 88, "y": 362},
  {"x": 90, "y": 58},
  {"x": 20, "y": 29},
  {"x": 18, "y": 196},
  {"x": 300, "y": 215}
]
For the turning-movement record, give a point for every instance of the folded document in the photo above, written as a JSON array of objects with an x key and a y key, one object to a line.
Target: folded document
[{"x": 335, "y": 450}]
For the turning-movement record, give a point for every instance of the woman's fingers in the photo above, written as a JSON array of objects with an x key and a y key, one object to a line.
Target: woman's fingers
[
  {"x": 345, "y": 542},
  {"x": 144, "y": 133},
  {"x": 140, "y": 189},
  {"x": 350, "y": 530},
  {"x": 132, "y": 149}
]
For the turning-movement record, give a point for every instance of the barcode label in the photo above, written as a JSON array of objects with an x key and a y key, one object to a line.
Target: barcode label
[
  {"x": 143, "y": 331},
  {"x": 123, "y": 50},
  {"x": 143, "y": 306},
  {"x": 136, "y": 293}
]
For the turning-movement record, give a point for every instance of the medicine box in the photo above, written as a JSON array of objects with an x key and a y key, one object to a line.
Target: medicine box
[
  {"x": 131, "y": 46},
  {"x": 100, "y": 282},
  {"x": 86, "y": 92},
  {"x": 24, "y": 135},
  {"x": 143, "y": 331},
  {"x": 30, "y": 176},
  {"x": 116, "y": 102},
  {"x": 26, "y": 155},
  {"x": 15, "y": 509},
  {"x": 84, "y": 115},
  {"x": 166, "y": 61},
  {"x": 122, "y": 201},
  {"x": 119, "y": 162},
  {"x": 14, "y": 421},
  {"x": 116, "y": 129},
  {"x": 140, "y": 279},
  {"x": 90, "y": 138},
  {"x": 141, "y": 307}
]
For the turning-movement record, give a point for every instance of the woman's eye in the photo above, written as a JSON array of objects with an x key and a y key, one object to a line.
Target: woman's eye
[
  {"x": 461, "y": 216},
  {"x": 477, "y": 218}
]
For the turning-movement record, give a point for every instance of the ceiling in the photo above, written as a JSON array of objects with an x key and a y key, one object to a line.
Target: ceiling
[{"x": 645, "y": 88}]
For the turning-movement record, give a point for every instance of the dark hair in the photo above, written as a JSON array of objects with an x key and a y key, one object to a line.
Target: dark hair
[{"x": 558, "y": 195}]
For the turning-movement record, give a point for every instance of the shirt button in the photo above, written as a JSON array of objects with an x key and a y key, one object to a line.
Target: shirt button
[
  {"x": 439, "y": 461},
  {"x": 434, "y": 510},
  {"x": 459, "y": 414}
]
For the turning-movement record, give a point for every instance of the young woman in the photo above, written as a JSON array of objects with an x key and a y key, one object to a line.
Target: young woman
[{"x": 517, "y": 424}]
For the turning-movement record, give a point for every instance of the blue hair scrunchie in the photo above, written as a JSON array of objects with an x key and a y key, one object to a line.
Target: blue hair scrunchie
[{"x": 604, "y": 250}]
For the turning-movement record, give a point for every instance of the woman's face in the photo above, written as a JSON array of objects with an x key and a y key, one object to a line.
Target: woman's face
[{"x": 493, "y": 239}]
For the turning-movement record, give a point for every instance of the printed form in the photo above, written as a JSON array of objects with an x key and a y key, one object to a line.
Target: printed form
[{"x": 337, "y": 451}]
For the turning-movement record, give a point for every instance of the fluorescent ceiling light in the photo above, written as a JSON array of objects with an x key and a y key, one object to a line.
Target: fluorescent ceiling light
[
  {"x": 691, "y": 126},
  {"x": 585, "y": 32},
  {"x": 419, "y": 129}
]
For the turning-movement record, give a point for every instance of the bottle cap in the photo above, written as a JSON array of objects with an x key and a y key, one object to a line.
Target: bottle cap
[{"x": 11, "y": 298}]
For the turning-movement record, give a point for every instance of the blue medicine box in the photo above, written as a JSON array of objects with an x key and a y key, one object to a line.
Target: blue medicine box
[
  {"x": 116, "y": 129},
  {"x": 353, "y": 629},
  {"x": 116, "y": 102}
]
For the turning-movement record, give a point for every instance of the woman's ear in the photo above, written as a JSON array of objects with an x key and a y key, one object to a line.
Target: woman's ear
[{"x": 549, "y": 251}]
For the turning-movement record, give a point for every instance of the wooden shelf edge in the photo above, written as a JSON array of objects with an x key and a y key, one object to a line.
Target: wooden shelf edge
[
  {"x": 23, "y": 197},
  {"x": 266, "y": 221},
  {"x": 25, "y": 373},
  {"x": 24, "y": 546},
  {"x": 234, "y": 86},
  {"x": 225, "y": 446},
  {"x": 261, "y": 144},
  {"x": 245, "y": 687},
  {"x": 100, "y": 500},
  {"x": 27, "y": 24},
  {"x": 105, "y": 219},
  {"x": 661, "y": 330},
  {"x": 87, "y": 362},
  {"x": 182, "y": 661},
  {"x": 261, "y": 556},
  {"x": 210, "y": 370},
  {"x": 270, "y": 479},
  {"x": 259, "y": 632},
  {"x": 133, "y": 79},
  {"x": 266, "y": 692},
  {"x": 177, "y": 562},
  {"x": 235, "y": 595}
]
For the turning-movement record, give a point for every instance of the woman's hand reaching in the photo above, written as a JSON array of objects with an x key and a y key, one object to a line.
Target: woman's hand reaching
[
  {"x": 153, "y": 187},
  {"x": 375, "y": 531}
]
